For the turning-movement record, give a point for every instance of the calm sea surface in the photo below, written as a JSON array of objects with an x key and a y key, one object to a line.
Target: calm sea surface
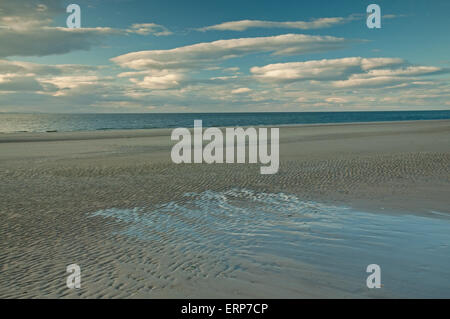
[{"x": 92, "y": 122}]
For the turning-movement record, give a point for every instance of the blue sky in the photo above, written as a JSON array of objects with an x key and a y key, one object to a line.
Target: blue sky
[{"x": 223, "y": 56}]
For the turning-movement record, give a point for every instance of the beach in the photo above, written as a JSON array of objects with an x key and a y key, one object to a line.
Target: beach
[{"x": 58, "y": 189}]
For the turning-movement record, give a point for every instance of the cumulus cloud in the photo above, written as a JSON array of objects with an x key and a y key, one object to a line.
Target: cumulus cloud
[
  {"x": 345, "y": 72},
  {"x": 191, "y": 56},
  {"x": 163, "y": 80},
  {"x": 43, "y": 78},
  {"x": 326, "y": 69},
  {"x": 242, "y": 25},
  {"x": 167, "y": 69},
  {"x": 384, "y": 77}
]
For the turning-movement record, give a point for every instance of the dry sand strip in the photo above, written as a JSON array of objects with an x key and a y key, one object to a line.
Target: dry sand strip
[{"x": 49, "y": 181}]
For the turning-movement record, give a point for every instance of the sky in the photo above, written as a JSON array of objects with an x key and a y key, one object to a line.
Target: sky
[{"x": 223, "y": 56}]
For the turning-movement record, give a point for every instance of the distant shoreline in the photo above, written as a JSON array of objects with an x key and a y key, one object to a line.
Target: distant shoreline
[
  {"x": 15, "y": 137},
  {"x": 360, "y": 111},
  {"x": 55, "y": 123}
]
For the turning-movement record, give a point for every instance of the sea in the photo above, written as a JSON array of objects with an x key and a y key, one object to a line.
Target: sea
[{"x": 15, "y": 122}]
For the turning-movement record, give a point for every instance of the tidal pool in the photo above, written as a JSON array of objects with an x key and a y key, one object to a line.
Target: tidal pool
[{"x": 242, "y": 227}]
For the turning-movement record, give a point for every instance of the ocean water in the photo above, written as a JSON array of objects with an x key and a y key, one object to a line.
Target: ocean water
[
  {"x": 91, "y": 122},
  {"x": 242, "y": 227}
]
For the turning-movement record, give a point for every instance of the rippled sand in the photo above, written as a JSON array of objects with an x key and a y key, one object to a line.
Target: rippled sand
[{"x": 62, "y": 195}]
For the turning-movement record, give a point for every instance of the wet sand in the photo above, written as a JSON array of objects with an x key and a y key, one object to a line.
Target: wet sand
[{"x": 55, "y": 184}]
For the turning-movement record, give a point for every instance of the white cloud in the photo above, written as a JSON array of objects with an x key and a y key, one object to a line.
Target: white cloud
[
  {"x": 70, "y": 81},
  {"x": 191, "y": 56},
  {"x": 345, "y": 72},
  {"x": 241, "y": 90},
  {"x": 407, "y": 71},
  {"x": 384, "y": 77},
  {"x": 168, "y": 69},
  {"x": 160, "y": 81},
  {"x": 149, "y": 28},
  {"x": 242, "y": 25},
  {"x": 20, "y": 67},
  {"x": 27, "y": 76},
  {"x": 336, "y": 99},
  {"x": 320, "y": 70}
]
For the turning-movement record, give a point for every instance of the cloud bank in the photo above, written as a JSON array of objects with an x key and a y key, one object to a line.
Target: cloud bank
[{"x": 346, "y": 72}]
